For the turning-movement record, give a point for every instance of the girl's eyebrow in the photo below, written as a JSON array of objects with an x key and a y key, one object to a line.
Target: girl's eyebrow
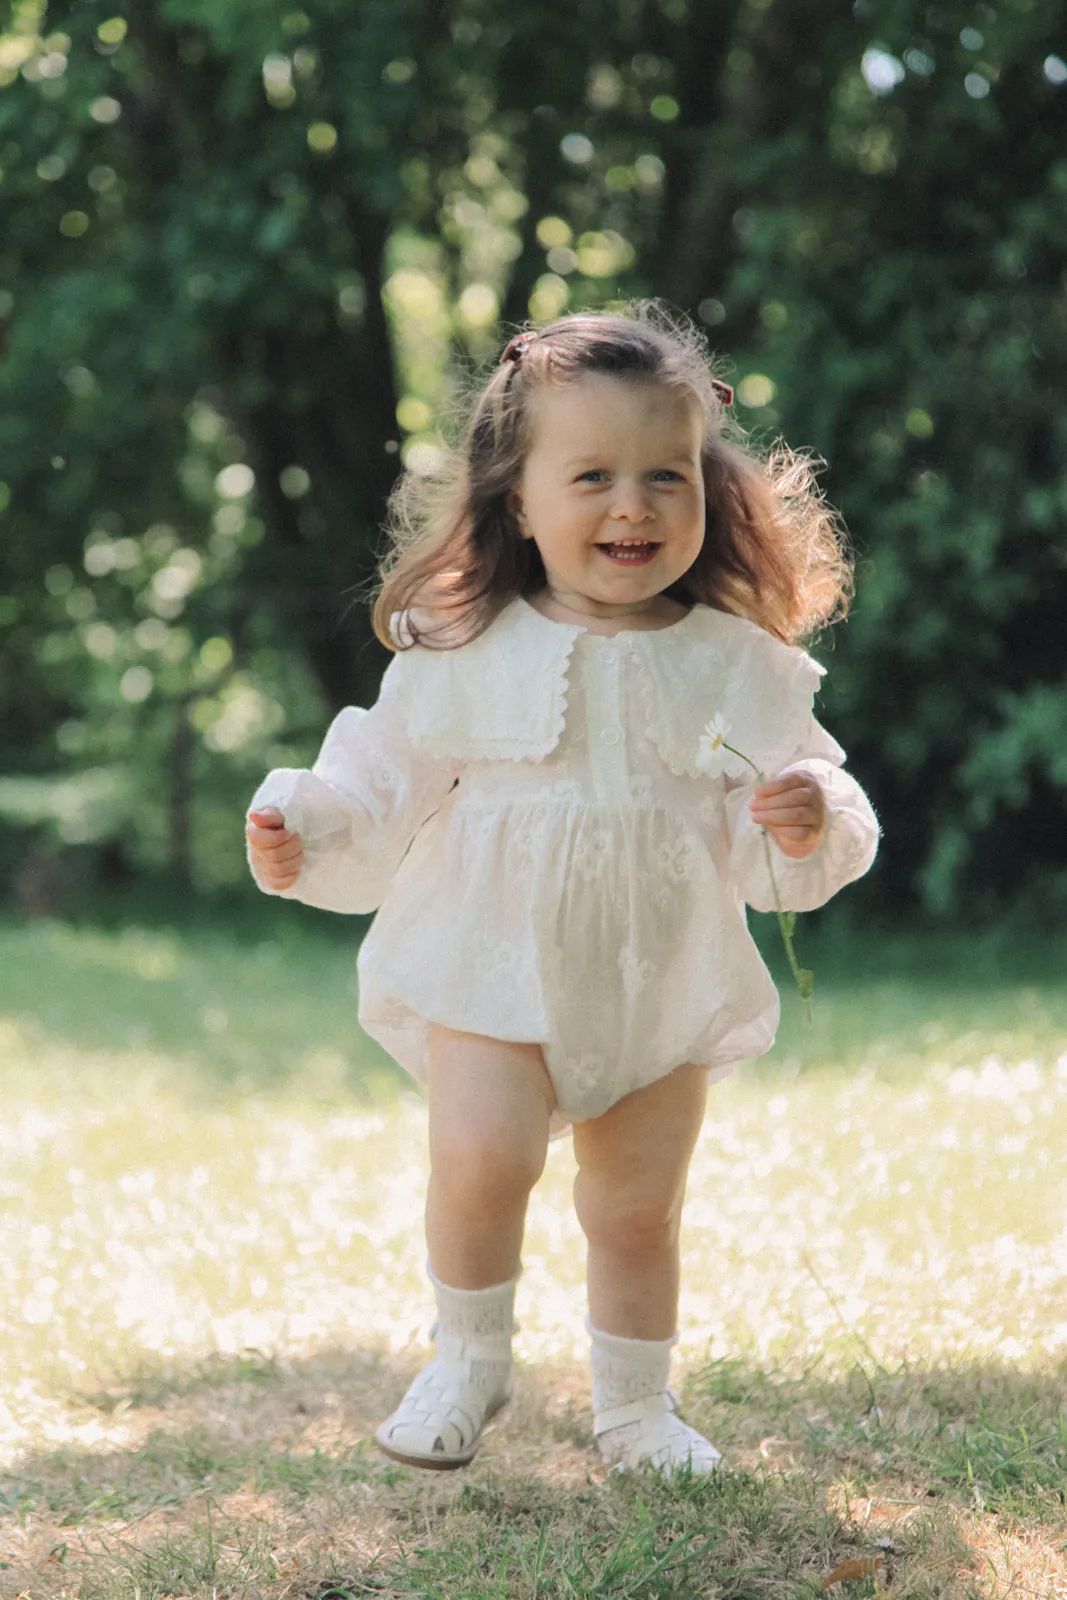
[{"x": 591, "y": 459}]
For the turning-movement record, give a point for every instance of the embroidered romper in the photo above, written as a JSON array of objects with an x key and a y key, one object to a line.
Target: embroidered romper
[{"x": 582, "y": 886}]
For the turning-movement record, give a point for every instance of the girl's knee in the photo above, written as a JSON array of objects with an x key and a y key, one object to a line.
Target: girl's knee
[
  {"x": 485, "y": 1167},
  {"x": 624, "y": 1218}
]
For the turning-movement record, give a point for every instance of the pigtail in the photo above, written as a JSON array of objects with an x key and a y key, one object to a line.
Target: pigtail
[{"x": 773, "y": 551}]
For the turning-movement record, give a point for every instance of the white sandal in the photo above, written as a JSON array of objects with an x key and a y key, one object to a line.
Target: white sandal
[
  {"x": 649, "y": 1433},
  {"x": 440, "y": 1421}
]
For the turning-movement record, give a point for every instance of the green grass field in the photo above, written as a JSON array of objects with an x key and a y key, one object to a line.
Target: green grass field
[{"x": 211, "y": 1189}]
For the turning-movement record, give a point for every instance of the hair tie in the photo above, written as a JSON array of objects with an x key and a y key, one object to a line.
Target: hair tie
[
  {"x": 516, "y": 348},
  {"x": 724, "y": 391}
]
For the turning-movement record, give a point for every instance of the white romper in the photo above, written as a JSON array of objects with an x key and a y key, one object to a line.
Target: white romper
[{"x": 582, "y": 885}]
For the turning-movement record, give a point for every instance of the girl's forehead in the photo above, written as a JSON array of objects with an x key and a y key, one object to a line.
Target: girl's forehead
[{"x": 599, "y": 407}]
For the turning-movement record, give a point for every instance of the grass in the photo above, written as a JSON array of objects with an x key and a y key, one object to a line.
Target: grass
[{"x": 212, "y": 1290}]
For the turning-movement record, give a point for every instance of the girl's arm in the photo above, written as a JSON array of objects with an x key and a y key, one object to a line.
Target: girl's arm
[
  {"x": 349, "y": 818},
  {"x": 821, "y": 828}
]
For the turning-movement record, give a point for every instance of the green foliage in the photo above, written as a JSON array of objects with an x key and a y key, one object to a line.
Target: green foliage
[{"x": 250, "y": 251}]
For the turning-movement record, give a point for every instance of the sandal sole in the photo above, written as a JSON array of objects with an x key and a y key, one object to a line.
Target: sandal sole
[
  {"x": 439, "y": 1461},
  {"x": 435, "y": 1463}
]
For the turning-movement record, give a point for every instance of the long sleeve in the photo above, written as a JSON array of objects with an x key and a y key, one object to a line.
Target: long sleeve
[
  {"x": 847, "y": 849},
  {"x": 359, "y": 806}
]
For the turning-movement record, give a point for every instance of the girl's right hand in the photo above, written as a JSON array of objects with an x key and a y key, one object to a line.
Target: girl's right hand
[{"x": 277, "y": 854}]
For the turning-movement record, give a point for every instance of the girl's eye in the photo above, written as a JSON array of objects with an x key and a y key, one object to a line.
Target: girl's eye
[
  {"x": 593, "y": 473},
  {"x": 666, "y": 474}
]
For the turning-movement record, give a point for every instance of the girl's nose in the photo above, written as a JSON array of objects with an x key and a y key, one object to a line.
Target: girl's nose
[{"x": 630, "y": 503}]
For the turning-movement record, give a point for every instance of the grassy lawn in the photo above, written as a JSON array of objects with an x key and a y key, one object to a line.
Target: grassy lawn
[{"x": 211, "y": 1271}]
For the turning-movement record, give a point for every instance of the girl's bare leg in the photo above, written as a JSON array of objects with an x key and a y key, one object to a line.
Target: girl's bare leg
[
  {"x": 490, "y": 1103},
  {"x": 633, "y": 1163}
]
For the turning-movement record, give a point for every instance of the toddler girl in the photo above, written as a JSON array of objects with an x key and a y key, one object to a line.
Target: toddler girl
[{"x": 592, "y": 613}]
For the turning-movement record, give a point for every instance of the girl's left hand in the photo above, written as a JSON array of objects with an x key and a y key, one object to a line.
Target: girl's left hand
[{"x": 793, "y": 811}]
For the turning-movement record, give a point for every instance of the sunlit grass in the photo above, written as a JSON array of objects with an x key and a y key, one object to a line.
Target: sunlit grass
[{"x": 210, "y": 1180}]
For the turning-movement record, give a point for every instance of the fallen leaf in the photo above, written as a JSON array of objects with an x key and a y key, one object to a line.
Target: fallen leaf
[{"x": 850, "y": 1571}]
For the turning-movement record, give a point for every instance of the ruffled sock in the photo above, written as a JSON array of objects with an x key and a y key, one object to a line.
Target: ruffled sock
[
  {"x": 635, "y": 1414},
  {"x": 440, "y": 1420}
]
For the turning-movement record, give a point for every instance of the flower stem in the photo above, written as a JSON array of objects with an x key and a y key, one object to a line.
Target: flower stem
[{"x": 803, "y": 979}]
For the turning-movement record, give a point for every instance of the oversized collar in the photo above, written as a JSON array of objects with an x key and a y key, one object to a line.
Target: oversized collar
[{"x": 706, "y": 679}]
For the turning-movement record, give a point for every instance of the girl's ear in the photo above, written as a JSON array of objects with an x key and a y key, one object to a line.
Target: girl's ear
[{"x": 514, "y": 505}]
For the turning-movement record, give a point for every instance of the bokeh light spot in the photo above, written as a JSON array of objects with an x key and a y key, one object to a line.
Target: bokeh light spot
[
  {"x": 51, "y": 168},
  {"x": 216, "y": 653},
  {"x": 756, "y": 390},
  {"x": 553, "y": 231},
  {"x": 322, "y": 137},
  {"x": 235, "y": 481},
  {"x": 664, "y": 107},
  {"x": 413, "y": 414},
  {"x": 294, "y": 482},
  {"x": 478, "y": 306},
  {"x": 577, "y": 148},
  {"x": 136, "y": 685},
  {"x": 105, "y": 109},
  {"x": 881, "y": 71},
  {"x": 400, "y": 71},
  {"x": 650, "y": 171},
  {"x": 548, "y": 298},
  {"x": 113, "y": 31}
]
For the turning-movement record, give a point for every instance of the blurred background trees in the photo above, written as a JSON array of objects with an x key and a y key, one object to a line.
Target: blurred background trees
[{"x": 250, "y": 253}]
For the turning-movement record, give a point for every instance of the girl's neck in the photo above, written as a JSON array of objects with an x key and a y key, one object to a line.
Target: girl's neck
[{"x": 659, "y": 612}]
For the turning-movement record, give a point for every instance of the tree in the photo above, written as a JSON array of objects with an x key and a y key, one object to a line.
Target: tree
[{"x": 256, "y": 249}]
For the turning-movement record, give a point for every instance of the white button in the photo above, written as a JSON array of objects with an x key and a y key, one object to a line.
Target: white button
[
  {"x": 607, "y": 654},
  {"x": 610, "y": 736}
]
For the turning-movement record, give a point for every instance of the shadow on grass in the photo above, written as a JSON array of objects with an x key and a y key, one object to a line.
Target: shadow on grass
[{"x": 251, "y": 1474}]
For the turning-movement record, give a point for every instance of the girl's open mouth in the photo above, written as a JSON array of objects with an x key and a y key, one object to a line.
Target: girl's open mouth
[{"x": 630, "y": 553}]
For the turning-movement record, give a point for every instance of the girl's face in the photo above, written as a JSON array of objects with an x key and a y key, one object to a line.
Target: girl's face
[{"x": 612, "y": 491}]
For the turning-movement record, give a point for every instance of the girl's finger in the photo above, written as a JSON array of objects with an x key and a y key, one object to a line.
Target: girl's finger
[
  {"x": 784, "y": 785},
  {"x": 267, "y": 839},
  {"x": 269, "y": 817},
  {"x": 803, "y": 820},
  {"x": 781, "y": 805},
  {"x": 269, "y": 835},
  {"x": 280, "y": 860},
  {"x": 784, "y": 809}
]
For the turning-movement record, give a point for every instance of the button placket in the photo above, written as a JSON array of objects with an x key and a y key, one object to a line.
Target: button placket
[{"x": 607, "y": 753}]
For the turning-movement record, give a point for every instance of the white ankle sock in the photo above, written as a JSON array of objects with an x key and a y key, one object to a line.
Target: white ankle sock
[
  {"x": 625, "y": 1370},
  {"x": 439, "y": 1422},
  {"x": 482, "y": 1316},
  {"x": 635, "y": 1420},
  {"x": 475, "y": 1313}
]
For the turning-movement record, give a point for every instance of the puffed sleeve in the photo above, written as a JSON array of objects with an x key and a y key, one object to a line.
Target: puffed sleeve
[
  {"x": 360, "y": 805},
  {"x": 846, "y": 852}
]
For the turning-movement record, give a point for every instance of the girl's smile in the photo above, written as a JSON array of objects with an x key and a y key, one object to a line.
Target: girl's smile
[{"x": 612, "y": 493}]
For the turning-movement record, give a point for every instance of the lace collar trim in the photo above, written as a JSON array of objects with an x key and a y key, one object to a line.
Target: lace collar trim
[{"x": 707, "y": 680}]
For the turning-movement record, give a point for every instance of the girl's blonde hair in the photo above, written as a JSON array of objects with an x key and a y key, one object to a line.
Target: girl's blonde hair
[{"x": 773, "y": 550}]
